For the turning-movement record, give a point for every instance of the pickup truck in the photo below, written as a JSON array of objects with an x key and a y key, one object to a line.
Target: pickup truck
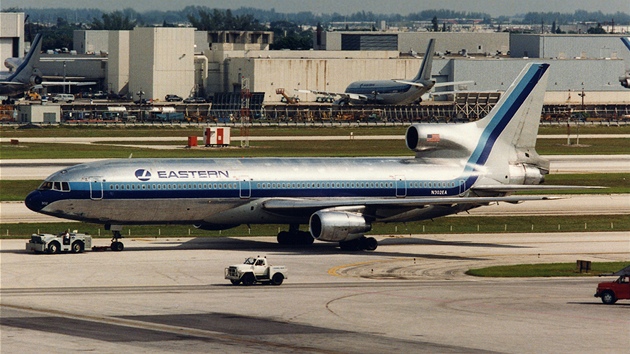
[
  {"x": 63, "y": 242},
  {"x": 256, "y": 269},
  {"x": 619, "y": 289}
]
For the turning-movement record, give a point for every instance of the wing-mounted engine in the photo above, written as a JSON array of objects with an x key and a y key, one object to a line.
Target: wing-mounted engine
[
  {"x": 335, "y": 225},
  {"x": 442, "y": 140}
]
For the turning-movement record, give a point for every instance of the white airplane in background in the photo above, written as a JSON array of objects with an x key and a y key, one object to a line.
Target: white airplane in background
[
  {"x": 25, "y": 74},
  {"x": 392, "y": 92},
  {"x": 457, "y": 167},
  {"x": 625, "y": 80}
]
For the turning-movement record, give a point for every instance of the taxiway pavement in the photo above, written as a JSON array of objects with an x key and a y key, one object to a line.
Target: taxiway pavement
[{"x": 410, "y": 295}]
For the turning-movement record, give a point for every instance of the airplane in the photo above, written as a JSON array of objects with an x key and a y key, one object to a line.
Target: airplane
[
  {"x": 625, "y": 80},
  {"x": 392, "y": 92},
  {"x": 25, "y": 74},
  {"x": 457, "y": 167}
]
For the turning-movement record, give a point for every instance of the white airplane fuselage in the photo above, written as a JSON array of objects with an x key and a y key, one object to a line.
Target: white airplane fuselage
[
  {"x": 387, "y": 92},
  {"x": 213, "y": 191}
]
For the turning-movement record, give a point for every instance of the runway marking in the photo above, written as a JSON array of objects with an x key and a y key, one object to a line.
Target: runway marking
[{"x": 334, "y": 270}]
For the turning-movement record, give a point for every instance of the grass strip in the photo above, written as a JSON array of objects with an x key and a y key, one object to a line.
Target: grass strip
[
  {"x": 547, "y": 270},
  {"x": 446, "y": 225}
]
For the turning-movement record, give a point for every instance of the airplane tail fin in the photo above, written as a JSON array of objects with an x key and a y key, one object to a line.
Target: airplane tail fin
[
  {"x": 424, "y": 74},
  {"x": 506, "y": 146},
  {"x": 28, "y": 71}
]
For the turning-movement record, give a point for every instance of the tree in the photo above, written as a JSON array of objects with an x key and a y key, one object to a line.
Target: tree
[
  {"x": 114, "y": 21},
  {"x": 217, "y": 20}
]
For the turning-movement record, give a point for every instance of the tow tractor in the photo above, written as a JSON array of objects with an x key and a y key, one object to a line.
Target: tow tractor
[
  {"x": 256, "y": 269},
  {"x": 619, "y": 289},
  {"x": 63, "y": 242}
]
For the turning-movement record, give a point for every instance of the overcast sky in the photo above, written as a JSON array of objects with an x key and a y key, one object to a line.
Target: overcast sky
[{"x": 492, "y": 7}]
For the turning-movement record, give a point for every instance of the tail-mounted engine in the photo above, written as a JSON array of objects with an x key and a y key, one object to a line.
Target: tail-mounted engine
[
  {"x": 526, "y": 174},
  {"x": 35, "y": 80},
  {"x": 447, "y": 141},
  {"x": 337, "y": 226}
]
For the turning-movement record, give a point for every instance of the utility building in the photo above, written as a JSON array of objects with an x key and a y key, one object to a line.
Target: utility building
[{"x": 161, "y": 61}]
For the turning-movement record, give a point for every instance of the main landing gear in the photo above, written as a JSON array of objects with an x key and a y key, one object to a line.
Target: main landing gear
[
  {"x": 295, "y": 237},
  {"x": 359, "y": 244},
  {"x": 116, "y": 236}
]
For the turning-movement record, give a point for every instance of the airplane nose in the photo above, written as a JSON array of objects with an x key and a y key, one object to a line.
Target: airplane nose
[{"x": 33, "y": 201}]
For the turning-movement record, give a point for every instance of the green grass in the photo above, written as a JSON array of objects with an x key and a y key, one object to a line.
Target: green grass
[
  {"x": 295, "y": 148},
  {"x": 168, "y": 130},
  {"x": 446, "y": 225},
  {"x": 547, "y": 270}
]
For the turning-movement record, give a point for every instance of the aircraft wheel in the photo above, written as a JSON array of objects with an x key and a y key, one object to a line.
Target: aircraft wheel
[
  {"x": 277, "y": 279},
  {"x": 248, "y": 279},
  {"x": 53, "y": 247},
  {"x": 369, "y": 243},
  {"x": 284, "y": 238},
  {"x": 352, "y": 245},
  {"x": 608, "y": 297},
  {"x": 117, "y": 246},
  {"x": 77, "y": 247}
]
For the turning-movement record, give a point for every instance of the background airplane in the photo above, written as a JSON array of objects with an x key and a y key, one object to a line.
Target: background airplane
[
  {"x": 25, "y": 74},
  {"x": 625, "y": 80},
  {"x": 457, "y": 167},
  {"x": 392, "y": 92}
]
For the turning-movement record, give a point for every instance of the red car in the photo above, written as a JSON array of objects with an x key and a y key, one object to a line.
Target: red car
[{"x": 619, "y": 289}]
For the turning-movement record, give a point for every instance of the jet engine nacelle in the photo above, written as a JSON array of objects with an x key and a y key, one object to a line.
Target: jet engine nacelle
[
  {"x": 526, "y": 174},
  {"x": 35, "y": 80},
  {"x": 337, "y": 226},
  {"x": 441, "y": 140}
]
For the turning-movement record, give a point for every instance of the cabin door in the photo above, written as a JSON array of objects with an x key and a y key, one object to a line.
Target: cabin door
[
  {"x": 245, "y": 188},
  {"x": 96, "y": 188}
]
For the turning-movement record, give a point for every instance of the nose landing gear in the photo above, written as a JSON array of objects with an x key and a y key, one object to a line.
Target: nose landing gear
[{"x": 116, "y": 236}]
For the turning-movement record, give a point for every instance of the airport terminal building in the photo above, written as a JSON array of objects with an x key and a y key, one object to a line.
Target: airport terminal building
[
  {"x": 185, "y": 62},
  {"x": 158, "y": 61}
]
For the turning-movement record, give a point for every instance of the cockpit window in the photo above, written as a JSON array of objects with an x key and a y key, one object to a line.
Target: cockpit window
[{"x": 57, "y": 186}]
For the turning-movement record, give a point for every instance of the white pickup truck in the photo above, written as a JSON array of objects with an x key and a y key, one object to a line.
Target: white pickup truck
[
  {"x": 62, "y": 242},
  {"x": 256, "y": 269}
]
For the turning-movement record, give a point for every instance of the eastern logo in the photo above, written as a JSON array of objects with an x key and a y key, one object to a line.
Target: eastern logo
[{"x": 143, "y": 175}]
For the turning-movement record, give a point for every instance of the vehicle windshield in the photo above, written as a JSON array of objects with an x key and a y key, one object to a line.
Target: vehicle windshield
[{"x": 250, "y": 260}]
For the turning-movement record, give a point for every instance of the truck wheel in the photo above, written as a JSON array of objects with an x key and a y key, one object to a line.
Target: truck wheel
[
  {"x": 608, "y": 297},
  {"x": 53, "y": 247},
  {"x": 248, "y": 279},
  {"x": 235, "y": 282},
  {"x": 277, "y": 279},
  {"x": 77, "y": 247}
]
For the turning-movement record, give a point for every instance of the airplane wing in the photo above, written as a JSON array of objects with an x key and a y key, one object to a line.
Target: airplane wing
[
  {"x": 352, "y": 96},
  {"x": 417, "y": 84},
  {"x": 68, "y": 83},
  {"x": 279, "y": 204},
  {"x": 452, "y": 83}
]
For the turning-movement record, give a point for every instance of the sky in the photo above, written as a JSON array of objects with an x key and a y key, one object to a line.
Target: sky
[{"x": 492, "y": 7}]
